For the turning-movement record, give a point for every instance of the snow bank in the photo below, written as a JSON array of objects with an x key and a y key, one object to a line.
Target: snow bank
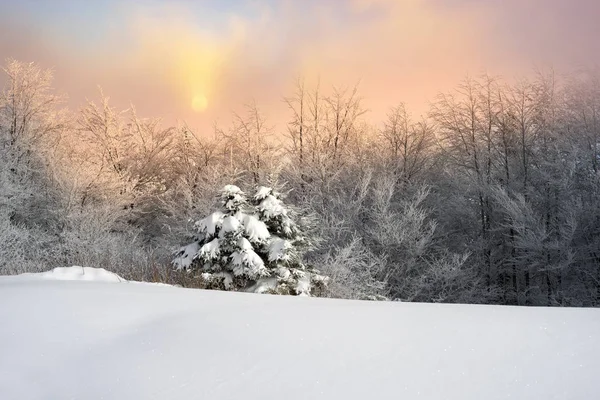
[
  {"x": 75, "y": 340},
  {"x": 76, "y": 273}
]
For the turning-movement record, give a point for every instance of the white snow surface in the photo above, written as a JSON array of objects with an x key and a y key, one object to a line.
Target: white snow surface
[
  {"x": 98, "y": 340},
  {"x": 76, "y": 273}
]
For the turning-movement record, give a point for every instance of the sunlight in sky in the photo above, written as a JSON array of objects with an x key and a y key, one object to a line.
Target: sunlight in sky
[
  {"x": 198, "y": 61},
  {"x": 199, "y": 103}
]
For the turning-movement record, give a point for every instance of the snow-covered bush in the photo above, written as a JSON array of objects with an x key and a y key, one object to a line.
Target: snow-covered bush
[
  {"x": 355, "y": 272},
  {"x": 251, "y": 245}
]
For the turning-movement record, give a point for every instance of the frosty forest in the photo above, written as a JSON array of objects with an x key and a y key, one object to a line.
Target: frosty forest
[{"x": 492, "y": 198}]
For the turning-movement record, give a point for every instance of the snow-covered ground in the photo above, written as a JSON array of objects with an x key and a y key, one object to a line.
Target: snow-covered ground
[
  {"x": 118, "y": 340},
  {"x": 76, "y": 273}
]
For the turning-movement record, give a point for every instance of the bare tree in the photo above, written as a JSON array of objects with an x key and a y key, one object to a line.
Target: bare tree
[
  {"x": 30, "y": 121},
  {"x": 250, "y": 143},
  {"x": 407, "y": 145}
]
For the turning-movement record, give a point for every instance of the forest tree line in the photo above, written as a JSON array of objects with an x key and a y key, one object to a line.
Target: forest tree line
[{"x": 491, "y": 198}]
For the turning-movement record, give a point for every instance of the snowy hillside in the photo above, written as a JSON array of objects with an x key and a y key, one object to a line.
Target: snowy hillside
[{"x": 120, "y": 340}]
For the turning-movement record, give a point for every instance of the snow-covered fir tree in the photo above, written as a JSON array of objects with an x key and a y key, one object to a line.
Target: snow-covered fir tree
[{"x": 252, "y": 244}]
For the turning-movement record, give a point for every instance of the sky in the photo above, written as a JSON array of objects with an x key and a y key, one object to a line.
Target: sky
[{"x": 199, "y": 61}]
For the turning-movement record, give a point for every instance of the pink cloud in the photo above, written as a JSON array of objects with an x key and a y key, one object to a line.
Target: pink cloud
[{"x": 163, "y": 61}]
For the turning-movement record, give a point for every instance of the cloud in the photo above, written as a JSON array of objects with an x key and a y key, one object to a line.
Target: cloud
[{"x": 199, "y": 60}]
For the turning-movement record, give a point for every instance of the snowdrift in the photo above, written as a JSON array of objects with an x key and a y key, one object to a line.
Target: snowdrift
[
  {"x": 98, "y": 340},
  {"x": 76, "y": 273}
]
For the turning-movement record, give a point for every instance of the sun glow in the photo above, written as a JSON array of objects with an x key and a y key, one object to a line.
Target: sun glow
[
  {"x": 199, "y": 103},
  {"x": 188, "y": 60}
]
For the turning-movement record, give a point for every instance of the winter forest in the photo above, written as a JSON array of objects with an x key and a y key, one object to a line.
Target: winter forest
[{"x": 491, "y": 198}]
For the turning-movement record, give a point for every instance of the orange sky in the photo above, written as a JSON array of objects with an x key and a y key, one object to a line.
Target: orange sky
[{"x": 199, "y": 60}]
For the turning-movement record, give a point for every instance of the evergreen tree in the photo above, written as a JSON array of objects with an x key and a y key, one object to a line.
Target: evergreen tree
[{"x": 252, "y": 246}]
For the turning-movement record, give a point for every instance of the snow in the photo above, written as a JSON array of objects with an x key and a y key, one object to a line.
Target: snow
[
  {"x": 186, "y": 256},
  {"x": 262, "y": 192},
  {"x": 231, "y": 190},
  {"x": 230, "y": 224},
  {"x": 264, "y": 285},
  {"x": 303, "y": 286},
  {"x": 224, "y": 277},
  {"x": 76, "y": 273},
  {"x": 247, "y": 262},
  {"x": 210, "y": 250},
  {"x": 244, "y": 244},
  {"x": 209, "y": 224},
  {"x": 283, "y": 273},
  {"x": 255, "y": 229},
  {"x": 233, "y": 196},
  {"x": 99, "y": 340},
  {"x": 278, "y": 248},
  {"x": 272, "y": 207}
]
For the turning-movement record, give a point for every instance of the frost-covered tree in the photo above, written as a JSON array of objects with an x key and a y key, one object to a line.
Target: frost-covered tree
[{"x": 251, "y": 245}]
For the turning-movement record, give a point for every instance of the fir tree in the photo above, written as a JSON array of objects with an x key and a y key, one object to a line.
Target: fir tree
[{"x": 252, "y": 246}]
